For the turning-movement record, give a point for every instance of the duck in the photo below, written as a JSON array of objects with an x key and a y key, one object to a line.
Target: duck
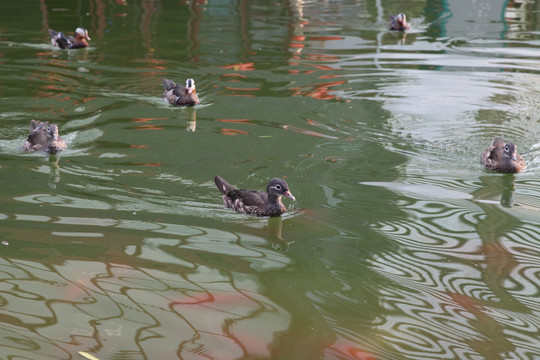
[
  {"x": 502, "y": 157},
  {"x": 79, "y": 39},
  {"x": 44, "y": 137},
  {"x": 253, "y": 202},
  {"x": 179, "y": 95},
  {"x": 398, "y": 22}
]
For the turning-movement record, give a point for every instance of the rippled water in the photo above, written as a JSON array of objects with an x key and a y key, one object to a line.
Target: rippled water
[{"x": 399, "y": 246}]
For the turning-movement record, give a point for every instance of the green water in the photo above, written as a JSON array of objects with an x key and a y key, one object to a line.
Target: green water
[{"x": 398, "y": 246}]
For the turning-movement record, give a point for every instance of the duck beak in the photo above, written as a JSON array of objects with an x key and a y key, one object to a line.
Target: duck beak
[
  {"x": 514, "y": 157},
  {"x": 289, "y": 195},
  {"x": 190, "y": 90}
]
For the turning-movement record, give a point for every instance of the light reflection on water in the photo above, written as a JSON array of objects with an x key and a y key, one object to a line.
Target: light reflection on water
[
  {"x": 400, "y": 245},
  {"x": 120, "y": 305}
]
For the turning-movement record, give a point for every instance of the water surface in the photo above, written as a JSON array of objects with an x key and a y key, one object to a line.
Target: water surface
[{"x": 399, "y": 246}]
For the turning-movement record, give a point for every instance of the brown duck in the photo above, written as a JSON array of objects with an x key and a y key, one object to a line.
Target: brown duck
[
  {"x": 44, "y": 137},
  {"x": 179, "y": 95},
  {"x": 398, "y": 22},
  {"x": 502, "y": 157},
  {"x": 79, "y": 39},
  {"x": 255, "y": 202}
]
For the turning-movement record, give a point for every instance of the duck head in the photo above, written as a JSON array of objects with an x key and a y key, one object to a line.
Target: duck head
[
  {"x": 278, "y": 187},
  {"x": 190, "y": 86},
  {"x": 52, "y": 132},
  {"x": 510, "y": 151},
  {"x": 81, "y": 33},
  {"x": 399, "y": 22},
  {"x": 401, "y": 18}
]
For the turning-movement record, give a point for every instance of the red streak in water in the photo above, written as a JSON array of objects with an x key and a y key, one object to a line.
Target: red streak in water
[
  {"x": 352, "y": 351},
  {"x": 240, "y": 67},
  {"x": 322, "y": 57},
  {"x": 233, "y": 132},
  {"x": 308, "y": 132},
  {"x": 236, "y": 75},
  {"x": 143, "y": 120},
  {"x": 149, "y": 127},
  {"x": 328, "y": 76},
  {"x": 324, "y": 67},
  {"x": 468, "y": 303},
  {"x": 148, "y": 164}
]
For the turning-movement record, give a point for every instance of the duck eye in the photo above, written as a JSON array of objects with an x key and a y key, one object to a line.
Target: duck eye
[
  {"x": 506, "y": 148},
  {"x": 278, "y": 187}
]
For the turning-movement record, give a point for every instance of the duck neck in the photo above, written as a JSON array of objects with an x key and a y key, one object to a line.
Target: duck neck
[{"x": 274, "y": 199}]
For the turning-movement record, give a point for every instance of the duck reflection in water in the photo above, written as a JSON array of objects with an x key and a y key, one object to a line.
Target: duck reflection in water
[
  {"x": 54, "y": 177},
  {"x": 191, "y": 119},
  {"x": 497, "y": 259},
  {"x": 495, "y": 185},
  {"x": 274, "y": 230}
]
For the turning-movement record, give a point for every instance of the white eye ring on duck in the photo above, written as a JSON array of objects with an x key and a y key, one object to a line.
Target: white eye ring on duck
[
  {"x": 278, "y": 187},
  {"x": 506, "y": 149}
]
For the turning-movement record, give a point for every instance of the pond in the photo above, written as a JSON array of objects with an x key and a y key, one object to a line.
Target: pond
[{"x": 399, "y": 245}]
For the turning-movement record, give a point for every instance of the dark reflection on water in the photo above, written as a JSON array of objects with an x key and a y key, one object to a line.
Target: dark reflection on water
[{"x": 399, "y": 246}]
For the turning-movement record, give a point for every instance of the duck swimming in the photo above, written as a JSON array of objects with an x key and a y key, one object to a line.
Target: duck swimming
[
  {"x": 398, "y": 22},
  {"x": 44, "y": 137},
  {"x": 79, "y": 39},
  {"x": 255, "y": 202},
  {"x": 502, "y": 157},
  {"x": 179, "y": 95}
]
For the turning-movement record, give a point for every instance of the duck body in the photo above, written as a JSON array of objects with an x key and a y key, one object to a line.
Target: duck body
[
  {"x": 398, "y": 22},
  {"x": 79, "y": 39},
  {"x": 179, "y": 95},
  {"x": 44, "y": 137},
  {"x": 255, "y": 202},
  {"x": 502, "y": 157}
]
